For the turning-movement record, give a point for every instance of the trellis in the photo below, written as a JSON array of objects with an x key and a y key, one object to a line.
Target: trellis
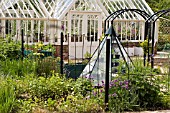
[{"x": 164, "y": 27}]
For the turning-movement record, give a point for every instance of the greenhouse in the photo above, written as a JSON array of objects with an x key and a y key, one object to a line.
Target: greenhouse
[{"x": 82, "y": 21}]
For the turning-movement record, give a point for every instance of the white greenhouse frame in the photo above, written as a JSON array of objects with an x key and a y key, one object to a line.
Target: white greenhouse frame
[{"x": 80, "y": 20}]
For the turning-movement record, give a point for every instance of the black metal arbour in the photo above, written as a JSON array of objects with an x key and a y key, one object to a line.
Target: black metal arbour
[
  {"x": 151, "y": 32},
  {"x": 115, "y": 14},
  {"x": 119, "y": 12},
  {"x": 112, "y": 34}
]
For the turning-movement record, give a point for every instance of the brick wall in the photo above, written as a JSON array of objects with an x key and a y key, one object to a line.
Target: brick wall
[{"x": 65, "y": 51}]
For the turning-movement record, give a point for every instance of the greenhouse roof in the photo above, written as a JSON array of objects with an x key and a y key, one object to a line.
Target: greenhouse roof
[{"x": 57, "y": 9}]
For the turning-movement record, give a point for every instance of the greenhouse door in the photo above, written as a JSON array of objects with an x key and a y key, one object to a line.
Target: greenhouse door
[{"x": 85, "y": 30}]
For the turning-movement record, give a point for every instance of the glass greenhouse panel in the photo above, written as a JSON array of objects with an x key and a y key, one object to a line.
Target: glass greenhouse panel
[{"x": 96, "y": 68}]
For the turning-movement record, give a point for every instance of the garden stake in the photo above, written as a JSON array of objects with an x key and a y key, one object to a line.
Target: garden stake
[
  {"x": 22, "y": 45},
  {"x": 145, "y": 35},
  {"x": 149, "y": 37},
  {"x": 98, "y": 70},
  {"x": 168, "y": 78},
  {"x": 107, "y": 74},
  {"x": 83, "y": 50},
  {"x": 61, "y": 54},
  {"x": 68, "y": 38},
  {"x": 153, "y": 40},
  {"x": 75, "y": 54}
]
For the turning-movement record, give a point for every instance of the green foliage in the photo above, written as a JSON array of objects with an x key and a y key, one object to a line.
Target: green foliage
[
  {"x": 157, "y": 5},
  {"x": 7, "y": 96},
  {"x": 52, "y": 92},
  {"x": 56, "y": 87},
  {"x": 38, "y": 47},
  {"x": 41, "y": 67},
  {"x": 122, "y": 96},
  {"x": 167, "y": 47},
  {"x": 47, "y": 66},
  {"x": 144, "y": 45},
  {"x": 9, "y": 49},
  {"x": 147, "y": 86},
  {"x": 166, "y": 100},
  {"x": 140, "y": 90},
  {"x": 18, "y": 67},
  {"x": 147, "y": 89},
  {"x": 87, "y": 55},
  {"x": 49, "y": 47},
  {"x": 79, "y": 104},
  {"x": 44, "y": 92},
  {"x": 163, "y": 40}
]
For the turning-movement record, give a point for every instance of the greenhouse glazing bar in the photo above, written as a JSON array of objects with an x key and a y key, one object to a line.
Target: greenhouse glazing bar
[{"x": 9, "y": 18}]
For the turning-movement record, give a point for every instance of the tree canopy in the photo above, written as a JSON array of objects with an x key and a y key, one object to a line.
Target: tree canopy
[{"x": 157, "y": 5}]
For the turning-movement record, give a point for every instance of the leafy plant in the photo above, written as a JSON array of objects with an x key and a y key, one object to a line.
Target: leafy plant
[
  {"x": 7, "y": 97},
  {"x": 144, "y": 45},
  {"x": 47, "y": 66},
  {"x": 79, "y": 104},
  {"x": 147, "y": 86},
  {"x": 87, "y": 55},
  {"x": 9, "y": 49},
  {"x": 163, "y": 39},
  {"x": 17, "y": 67},
  {"x": 49, "y": 47},
  {"x": 140, "y": 90},
  {"x": 122, "y": 96}
]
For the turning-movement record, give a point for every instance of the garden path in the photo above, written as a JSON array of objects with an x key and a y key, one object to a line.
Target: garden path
[{"x": 159, "y": 111}]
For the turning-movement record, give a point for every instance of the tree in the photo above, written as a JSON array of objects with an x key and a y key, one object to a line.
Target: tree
[{"x": 157, "y": 5}]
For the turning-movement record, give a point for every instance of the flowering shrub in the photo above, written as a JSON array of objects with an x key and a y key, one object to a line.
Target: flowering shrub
[
  {"x": 140, "y": 90},
  {"x": 120, "y": 94}
]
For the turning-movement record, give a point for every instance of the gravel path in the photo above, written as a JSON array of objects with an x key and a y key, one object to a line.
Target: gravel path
[{"x": 159, "y": 111}]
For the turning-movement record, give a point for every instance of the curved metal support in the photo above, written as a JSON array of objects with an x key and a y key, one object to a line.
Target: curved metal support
[
  {"x": 152, "y": 20},
  {"x": 155, "y": 14},
  {"x": 113, "y": 16},
  {"x": 140, "y": 12},
  {"x": 136, "y": 11},
  {"x": 109, "y": 19},
  {"x": 119, "y": 12},
  {"x": 153, "y": 35}
]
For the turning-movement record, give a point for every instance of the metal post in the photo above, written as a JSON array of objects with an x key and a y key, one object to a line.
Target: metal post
[
  {"x": 22, "y": 44},
  {"x": 149, "y": 38},
  {"x": 83, "y": 50},
  {"x": 153, "y": 40},
  {"x": 107, "y": 74},
  {"x": 145, "y": 37},
  {"x": 75, "y": 49},
  {"x": 61, "y": 54},
  {"x": 105, "y": 26},
  {"x": 169, "y": 74},
  {"x": 68, "y": 38}
]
